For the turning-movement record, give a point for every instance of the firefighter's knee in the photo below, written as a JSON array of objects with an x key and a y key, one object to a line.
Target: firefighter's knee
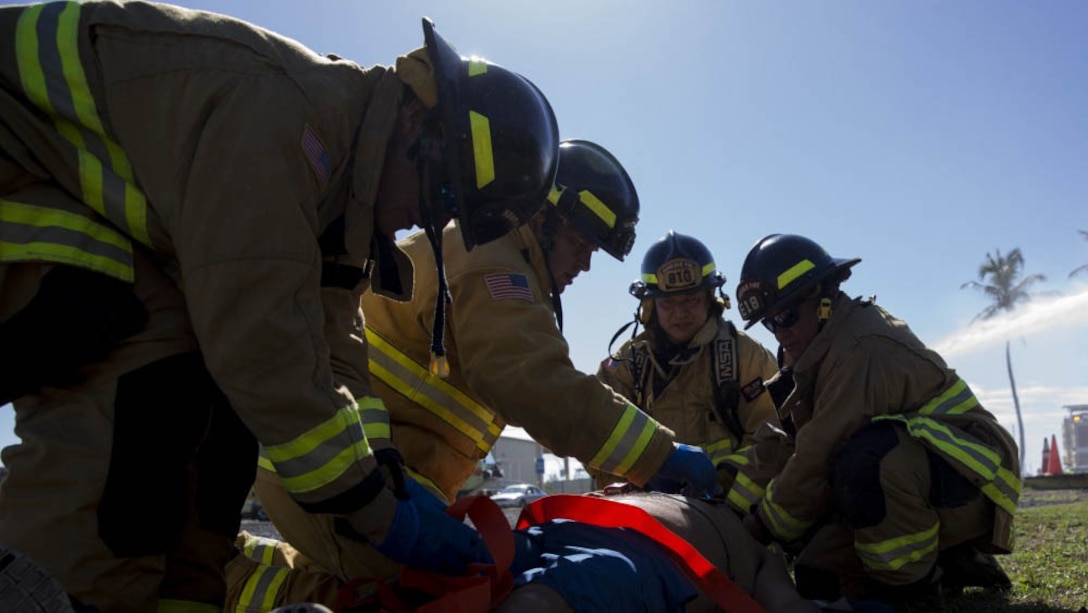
[
  {"x": 161, "y": 413},
  {"x": 855, "y": 475}
]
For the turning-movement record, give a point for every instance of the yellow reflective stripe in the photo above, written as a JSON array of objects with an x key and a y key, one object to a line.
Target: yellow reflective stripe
[
  {"x": 260, "y": 549},
  {"x": 185, "y": 606},
  {"x": 437, "y": 395},
  {"x": 476, "y": 67},
  {"x": 896, "y": 553},
  {"x": 794, "y": 271},
  {"x": 779, "y": 521},
  {"x": 264, "y": 462},
  {"x": 708, "y": 268},
  {"x": 1001, "y": 486},
  {"x": 309, "y": 470},
  {"x": 481, "y": 148},
  {"x": 599, "y": 208},
  {"x": 261, "y": 589},
  {"x": 36, "y": 233},
  {"x": 374, "y": 417},
  {"x": 626, "y": 443},
  {"x": 955, "y": 400},
  {"x": 77, "y": 118},
  {"x": 554, "y": 193},
  {"x": 722, "y": 451},
  {"x": 649, "y": 277},
  {"x": 744, "y": 493}
]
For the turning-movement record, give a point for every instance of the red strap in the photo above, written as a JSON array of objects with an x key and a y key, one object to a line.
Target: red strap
[
  {"x": 608, "y": 514},
  {"x": 478, "y": 591}
]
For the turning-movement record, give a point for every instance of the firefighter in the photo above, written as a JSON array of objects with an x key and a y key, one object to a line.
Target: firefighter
[
  {"x": 900, "y": 483},
  {"x": 691, "y": 368},
  {"x": 508, "y": 361},
  {"x": 190, "y": 208}
]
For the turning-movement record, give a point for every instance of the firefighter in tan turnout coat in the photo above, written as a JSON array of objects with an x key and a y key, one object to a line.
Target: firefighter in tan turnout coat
[
  {"x": 507, "y": 360},
  {"x": 691, "y": 369},
  {"x": 190, "y": 208},
  {"x": 900, "y": 485}
]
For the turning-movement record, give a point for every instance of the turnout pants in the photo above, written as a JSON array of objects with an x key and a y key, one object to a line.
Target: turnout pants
[
  {"x": 897, "y": 506},
  {"x": 132, "y": 468}
]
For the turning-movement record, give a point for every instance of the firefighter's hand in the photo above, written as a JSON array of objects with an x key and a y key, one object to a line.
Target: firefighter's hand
[
  {"x": 756, "y": 528},
  {"x": 687, "y": 471},
  {"x": 423, "y": 537}
]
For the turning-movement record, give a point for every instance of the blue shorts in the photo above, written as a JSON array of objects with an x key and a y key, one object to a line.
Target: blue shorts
[{"x": 600, "y": 569}]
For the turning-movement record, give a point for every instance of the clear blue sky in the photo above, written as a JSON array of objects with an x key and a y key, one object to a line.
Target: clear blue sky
[{"x": 916, "y": 135}]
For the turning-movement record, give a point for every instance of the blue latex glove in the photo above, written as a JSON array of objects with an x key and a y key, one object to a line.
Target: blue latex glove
[
  {"x": 422, "y": 496},
  {"x": 687, "y": 471},
  {"x": 425, "y": 538}
]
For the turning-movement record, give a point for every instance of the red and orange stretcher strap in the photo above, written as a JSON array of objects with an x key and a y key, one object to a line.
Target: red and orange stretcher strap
[
  {"x": 478, "y": 591},
  {"x": 607, "y": 514}
]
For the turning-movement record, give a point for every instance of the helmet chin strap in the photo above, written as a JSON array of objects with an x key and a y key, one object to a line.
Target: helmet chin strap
[
  {"x": 439, "y": 365},
  {"x": 547, "y": 245}
]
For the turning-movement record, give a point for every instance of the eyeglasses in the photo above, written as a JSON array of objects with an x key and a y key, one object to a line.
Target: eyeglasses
[{"x": 785, "y": 318}]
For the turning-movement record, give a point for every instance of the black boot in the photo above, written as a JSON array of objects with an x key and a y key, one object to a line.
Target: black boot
[
  {"x": 917, "y": 597},
  {"x": 964, "y": 566}
]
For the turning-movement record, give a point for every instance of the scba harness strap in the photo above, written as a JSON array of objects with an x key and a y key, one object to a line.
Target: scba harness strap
[{"x": 724, "y": 371}]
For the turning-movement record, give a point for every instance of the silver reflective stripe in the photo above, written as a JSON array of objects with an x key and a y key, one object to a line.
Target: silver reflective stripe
[
  {"x": 447, "y": 402},
  {"x": 37, "y": 233},
  {"x": 52, "y": 75}
]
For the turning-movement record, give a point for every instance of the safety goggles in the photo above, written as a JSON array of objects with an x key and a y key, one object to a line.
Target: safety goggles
[{"x": 783, "y": 319}]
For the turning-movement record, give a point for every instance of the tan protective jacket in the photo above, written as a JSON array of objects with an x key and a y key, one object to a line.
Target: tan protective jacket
[
  {"x": 228, "y": 151},
  {"x": 867, "y": 365},
  {"x": 687, "y": 403},
  {"x": 509, "y": 363}
]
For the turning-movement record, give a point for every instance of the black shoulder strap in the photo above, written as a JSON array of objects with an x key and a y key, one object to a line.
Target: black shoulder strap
[
  {"x": 639, "y": 356},
  {"x": 725, "y": 370}
]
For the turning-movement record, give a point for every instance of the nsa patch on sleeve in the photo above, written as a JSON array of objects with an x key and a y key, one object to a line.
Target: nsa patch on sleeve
[{"x": 508, "y": 286}]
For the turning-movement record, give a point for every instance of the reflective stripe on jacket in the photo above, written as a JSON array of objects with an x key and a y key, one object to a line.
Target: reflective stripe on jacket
[
  {"x": 509, "y": 363},
  {"x": 686, "y": 404},
  {"x": 227, "y": 150},
  {"x": 866, "y": 365}
]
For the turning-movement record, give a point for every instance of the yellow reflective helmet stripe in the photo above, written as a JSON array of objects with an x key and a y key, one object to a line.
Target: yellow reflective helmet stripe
[
  {"x": 476, "y": 67},
  {"x": 481, "y": 148},
  {"x": 52, "y": 76},
  {"x": 599, "y": 208},
  {"x": 957, "y": 399},
  {"x": 322, "y": 454},
  {"x": 794, "y": 271},
  {"x": 30, "y": 232},
  {"x": 626, "y": 443},
  {"x": 896, "y": 553},
  {"x": 261, "y": 588},
  {"x": 438, "y": 396}
]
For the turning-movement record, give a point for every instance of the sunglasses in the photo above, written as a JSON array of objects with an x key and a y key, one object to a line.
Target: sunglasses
[{"x": 785, "y": 318}]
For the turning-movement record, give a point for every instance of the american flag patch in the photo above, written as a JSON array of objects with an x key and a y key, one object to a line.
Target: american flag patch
[
  {"x": 508, "y": 285},
  {"x": 316, "y": 155}
]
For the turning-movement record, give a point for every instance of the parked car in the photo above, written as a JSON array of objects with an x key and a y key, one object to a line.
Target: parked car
[
  {"x": 518, "y": 495},
  {"x": 252, "y": 509}
]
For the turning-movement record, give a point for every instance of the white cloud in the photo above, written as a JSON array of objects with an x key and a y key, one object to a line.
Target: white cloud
[{"x": 1040, "y": 315}]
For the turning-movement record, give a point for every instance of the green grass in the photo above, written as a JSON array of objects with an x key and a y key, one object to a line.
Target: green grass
[{"x": 1049, "y": 568}]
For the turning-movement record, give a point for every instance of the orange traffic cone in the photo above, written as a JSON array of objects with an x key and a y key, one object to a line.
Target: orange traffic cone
[{"x": 1054, "y": 464}]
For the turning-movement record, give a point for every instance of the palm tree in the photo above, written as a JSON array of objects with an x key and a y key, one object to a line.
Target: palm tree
[
  {"x": 1007, "y": 290},
  {"x": 1084, "y": 268}
]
